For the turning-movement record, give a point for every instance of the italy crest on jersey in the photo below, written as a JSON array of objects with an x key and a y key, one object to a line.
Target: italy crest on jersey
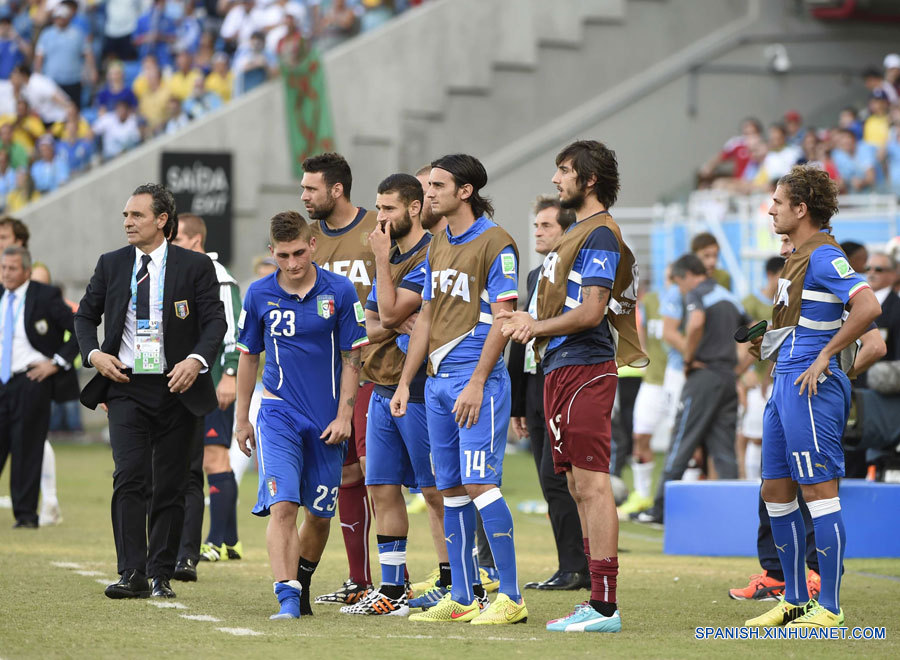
[{"x": 325, "y": 306}]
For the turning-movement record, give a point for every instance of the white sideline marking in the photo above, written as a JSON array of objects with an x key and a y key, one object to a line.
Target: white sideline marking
[
  {"x": 240, "y": 632},
  {"x": 200, "y": 617},
  {"x": 103, "y": 582},
  {"x": 66, "y": 564},
  {"x": 88, "y": 573},
  {"x": 167, "y": 606}
]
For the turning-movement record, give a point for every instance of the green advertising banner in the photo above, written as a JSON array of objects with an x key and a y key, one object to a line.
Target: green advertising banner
[{"x": 308, "y": 112}]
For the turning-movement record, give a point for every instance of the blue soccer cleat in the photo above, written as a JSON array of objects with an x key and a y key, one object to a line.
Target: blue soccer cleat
[
  {"x": 288, "y": 594},
  {"x": 586, "y": 619},
  {"x": 430, "y": 598}
]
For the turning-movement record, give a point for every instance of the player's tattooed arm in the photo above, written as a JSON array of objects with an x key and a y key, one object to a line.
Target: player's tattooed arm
[
  {"x": 521, "y": 327},
  {"x": 340, "y": 429}
]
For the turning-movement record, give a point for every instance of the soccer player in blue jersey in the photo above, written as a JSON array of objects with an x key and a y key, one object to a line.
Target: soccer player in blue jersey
[
  {"x": 309, "y": 323},
  {"x": 806, "y": 415},
  {"x": 471, "y": 275}
]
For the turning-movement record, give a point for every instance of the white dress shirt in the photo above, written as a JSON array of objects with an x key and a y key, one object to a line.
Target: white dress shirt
[
  {"x": 126, "y": 348},
  {"x": 882, "y": 294},
  {"x": 23, "y": 353}
]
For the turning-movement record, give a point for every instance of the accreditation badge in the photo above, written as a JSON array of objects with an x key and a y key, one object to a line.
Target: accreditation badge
[{"x": 148, "y": 347}]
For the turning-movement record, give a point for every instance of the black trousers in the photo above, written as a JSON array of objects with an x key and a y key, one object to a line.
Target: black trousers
[
  {"x": 564, "y": 520},
  {"x": 623, "y": 424},
  {"x": 193, "y": 502},
  {"x": 149, "y": 426},
  {"x": 24, "y": 421}
]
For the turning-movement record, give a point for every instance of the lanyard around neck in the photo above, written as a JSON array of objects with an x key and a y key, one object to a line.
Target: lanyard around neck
[{"x": 162, "y": 280}]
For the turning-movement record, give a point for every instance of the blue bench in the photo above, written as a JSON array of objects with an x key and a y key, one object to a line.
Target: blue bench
[{"x": 719, "y": 518}]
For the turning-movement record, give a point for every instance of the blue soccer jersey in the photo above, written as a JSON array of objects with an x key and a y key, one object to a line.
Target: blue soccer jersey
[
  {"x": 303, "y": 339},
  {"x": 672, "y": 306},
  {"x": 502, "y": 284},
  {"x": 595, "y": 265},
  {"x": 830, "y": 283}
]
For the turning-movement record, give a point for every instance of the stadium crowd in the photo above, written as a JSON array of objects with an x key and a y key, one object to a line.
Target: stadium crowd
[
  {"x": 84, "y": 81},
  {"x": 860, "y": 148}
]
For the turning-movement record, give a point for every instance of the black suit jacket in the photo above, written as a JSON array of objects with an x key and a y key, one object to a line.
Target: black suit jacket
[
  {"x": 189, "y": 277},
  {"x": 526, "y": 395},
  {"x": 889, "y": 321},
  {"x": 47, "y": 317}
]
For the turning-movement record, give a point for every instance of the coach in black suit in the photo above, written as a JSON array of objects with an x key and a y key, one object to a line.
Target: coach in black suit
[
  {"x": 33, "y": 360},
  {"x": 152, "y": 417},
  {"x": 527, "y": 384}
]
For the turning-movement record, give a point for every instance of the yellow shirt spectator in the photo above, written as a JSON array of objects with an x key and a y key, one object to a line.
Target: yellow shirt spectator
[
  {"x": 877, "y": 129},
  {"x": 181, "y": 85},
  {"x": 25, "y": 132},
  {"x": 16, "y": 199},
  {"x": 221, "y": 85},
  {"x": 84, "y": 129}
]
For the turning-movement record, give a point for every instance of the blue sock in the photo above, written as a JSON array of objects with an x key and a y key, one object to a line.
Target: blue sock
[
  {"x": 459, "y": 533},
  {"x": 498, "y": 527},
  {"x": 222, "y": 509},
  {"x": 392, "y": 557},
  {"x": 831, "y": 540},
  {"x": 789, "y": 534},
  {"x": 288, "y": 595}
]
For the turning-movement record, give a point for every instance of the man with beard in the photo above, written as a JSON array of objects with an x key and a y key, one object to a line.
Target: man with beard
[
  {"x": 341, "y": 231},
  {"x": 585, "y": 324},
  {"x": 397, "y": 448}
]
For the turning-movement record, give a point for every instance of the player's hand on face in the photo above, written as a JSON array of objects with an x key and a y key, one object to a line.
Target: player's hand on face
[
  {"x": 336, "y": 432},
  {"x": 809, "y": 379},
  {"x": 468, "y": 405},
  {"x": 399, "y": 400},
  {"x": 380, "y": 239},
  {"x": 243, "y": 433},
  {"x": 183, "y": 375},
  {"x": 406, "y": 328}
]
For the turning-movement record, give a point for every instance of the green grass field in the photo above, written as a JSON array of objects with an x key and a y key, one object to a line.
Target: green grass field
[{"x": 52, "y": 603}]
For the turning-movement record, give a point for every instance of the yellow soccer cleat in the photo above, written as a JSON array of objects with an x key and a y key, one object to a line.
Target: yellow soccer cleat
[
  {"x": 634, "y": 504},
  {"x": 818, "y": 617},
  {"x": 503, "y": 610},
  {"x": 417, "y": 504},
  {"x": 780, "y": 615},
  {"x": 429, "y": 582},
  {"x": 448, "y": 610},
  {"x": 491, "y": 583}
]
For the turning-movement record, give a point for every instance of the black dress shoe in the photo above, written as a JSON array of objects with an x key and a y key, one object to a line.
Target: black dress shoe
[
  {"x": 161, "y": 588},
  {"x": 566, "y": 581},
  {"x": 26, "y": 524},
  {"x": 537, "y": 585},
  {"x": 186, "y": 570},
  {"x": 131, "y": 585}
]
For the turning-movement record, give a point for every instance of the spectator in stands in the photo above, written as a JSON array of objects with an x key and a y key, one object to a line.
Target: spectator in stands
[
  {"x": 154, "y": 101},
  {"x": 64, "y": 52},
  {"x": 155, "y": 33},
  {"x": 857, "y": 255},
  {"x": 72, "y": 115},
  {"x": 237, "y": 26},
  {"x": 253, "y": 65},
  {"x": 139, "y": 84},
  {"x": 793, "y": 124},
  {"x": 856, "y": 162},
  {"x": 873, "y": 80},
  {"x": 115, "y": 90},
  {"x": 753, "y": 179},
  {"x": 881, "y": 272},
  {"x": 18, "y": 156},
  {"x": 47, "y": 98},
  {"x": 706, "y": 248},
  {"x": 176, "y": 117},
  {"x": 121, "y": 22},
  {"x": 201, "y": 102},
  {"x": 181, "y": 82},
  {"x": 878, "y": 124},
  {"x": 24, "y": 192},
  {"x": 206, "y": 53},
  {"x": 27, "y": 126},
  {"x": 337, "y": 24},
  {"x": 221, "y": 79},
  {"x": 50, "y": 170},
  {"x": 189, "y": 29},
  {"x": 735, "y": 151},
  {"x": 118, "y": 130},
  {"x": 892, "y": 71},
  {"x": 377, "y": 13},
  {"x": 13, "y": 48},
  {"x": 708, "y": 410},
  {"x": 891, "y": 157},
  {"x": 7, "y": 178},
  {"x": 849, "y": 119},
  {"x": 782, "y": 156},
  {"x": 75, "y": 148}
]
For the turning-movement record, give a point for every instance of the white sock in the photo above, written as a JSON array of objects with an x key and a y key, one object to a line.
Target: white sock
[
  {"x": 692, "y": 474},
  {"x": 753, "y": 461},
  {"x": 48, "y": 478},
  {"x": 643, "y": 477}
]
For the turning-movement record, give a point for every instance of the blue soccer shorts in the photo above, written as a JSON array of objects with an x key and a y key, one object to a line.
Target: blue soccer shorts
[
  {"x": 397, "y": 448},
  {"x": 801, "y": 434},
  {"x": 473, "y": 455},
  {"x": 295, "y": 465}
]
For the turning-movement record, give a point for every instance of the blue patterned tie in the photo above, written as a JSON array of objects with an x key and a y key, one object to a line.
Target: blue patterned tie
[{"x": 9, "y": 329}]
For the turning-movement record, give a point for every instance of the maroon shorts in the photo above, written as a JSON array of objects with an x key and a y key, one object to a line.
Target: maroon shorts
[
  {"x": 578, "y": 402},
  {"x": 356, "y": 447}
]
